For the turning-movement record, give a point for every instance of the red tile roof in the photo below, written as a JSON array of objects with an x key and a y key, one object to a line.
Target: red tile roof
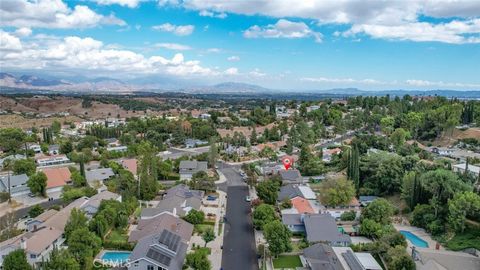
[
  {"x": 131, "y": 165},
  {"x": 57, "y": 177},
  {"x": 302, "y": 205}
]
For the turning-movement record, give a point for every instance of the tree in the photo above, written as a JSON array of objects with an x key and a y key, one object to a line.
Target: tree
[
  {"x": 441, "y": 185},
  {"x": 253, "y": 137},
  {"x": 263, "y": 214},
  {"x": 335, "y": 192},
  {"x": 56, "y": 127},
  {"x": 84, "y": 245},
  {"x": 148, "y": 172},
  {"x": 278, "y": 237},
  {"x": 370, "y": 228},
  {"x": 195, "y": 217},
  {"x": 76, "y": 221},
  {"x": 398, "y": 137},
  {"x": 386, "y": 124},
  {"x": 198, "y": 260},
  {"x": 77, "y": 179},
  {"x": 208, "y": 235},
  {"x": 201, "y": 181},
  {"x": 24, "y": 166},
  {"x": 66, "y": 147},
  {"x": 398, "y": 259},
  {"x": 16, "y": 260},
  {"x": 212, "y": 153},
  {"x": 60, "y": 259},
  {"x": 38, "y": 183},
  {"x": 35, "y": 211},
  {"x": 348, "y": 216},
  {"x": 267, "y": 191},
  {"x": 353, "y": 166},
  {"x": 463, "y": 205},
  {"x": 11, "y": 139},
  {"x": 380, "y": 211}
]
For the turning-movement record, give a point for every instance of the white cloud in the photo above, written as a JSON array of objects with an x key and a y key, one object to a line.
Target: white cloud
[
  {"x": 23, "y": 32},
  {"x": 179, "y": 30},
  {"x": 233, "y": 58},
  {"x": 231, "y": 71},
  {"x": 173, "y": 46},
  {"x": 214, "y": 50},
  {"x": 456, "y": 32},
  {"x": 394, "y": 20},
  {"x": 206, "y": 13},
  {"x": 282, "y": 29},
  {"x": 51, "y": 14},
  {"x": 89, "y": 55},
  {"x": 257, "y": 73},
  {"x": 9, "y": 42},
  {"x": 126, "y": 3}
]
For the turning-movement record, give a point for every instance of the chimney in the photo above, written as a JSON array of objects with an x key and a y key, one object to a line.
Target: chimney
[{"x": 23, "y": 243}]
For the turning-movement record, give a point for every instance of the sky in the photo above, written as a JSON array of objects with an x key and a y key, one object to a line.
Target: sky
[{"x": 279, "y": 44}]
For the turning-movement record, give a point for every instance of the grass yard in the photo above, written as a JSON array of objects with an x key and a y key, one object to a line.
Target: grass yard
[
  {"x": 117, "y": 236},
  {"x": 200, "y": 228},
  {"x": 288, "y": 261},
  {"x": 469, "y": 239}
]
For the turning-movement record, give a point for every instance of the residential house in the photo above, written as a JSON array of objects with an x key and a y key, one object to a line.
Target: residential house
[
  {"x": 327, "y": 154},
  {"x": 91, "y": 207},
  {"x": 18, "y": 184},
  {"x": 183, "y": 191},
  {"x": 321, "y": 257},
  {"x": 337, "y": 211},
  {"x": 35, "y": 223},
  {"x": 130, "y": 165},
  {"x": 11, "y": 157},
  {"x": 112, "y": 142},
  {"x": 57, "y": 178},
  {"x": 188, "y": 168},
  {"x": 323, "y": 228},
  {"x": 37, "y": 245},
  {"x": 192, "y": 143},
  {"x": 101, "y": 174},
  {"x": 156, "y": 225},
  {"x": 52, "y": 160},
  {"x": 442, "y": 151},
  {"x": 317, "y": 227},
  {"x": 429, "y": 259},
  {"x": 291, "y": 176},
  {"x": 302, "y": 206},
  {"x": 177, "y": 205},
  {"x": 120, "y": 148},
  {"x": 35, "y": 148},
  {"x": 365, "y": 200},
  {"x": 288, "y": 192},
  {"x": 472, "y": 169},
  {"x": 165, "y": 251},
  {"x": 54, "y": 149}
]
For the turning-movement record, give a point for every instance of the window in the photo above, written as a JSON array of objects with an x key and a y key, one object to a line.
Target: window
[
  {"x": 33, "y": 256},
  {"x": 150, "y": 267}
]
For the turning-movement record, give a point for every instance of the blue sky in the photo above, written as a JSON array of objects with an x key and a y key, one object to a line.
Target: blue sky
[{"x": 278, "y": 44}]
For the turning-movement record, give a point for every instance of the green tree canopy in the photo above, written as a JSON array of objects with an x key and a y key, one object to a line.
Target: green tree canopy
[
  {"x": 278, "y": 237},
  {"x": 38, "y": 183},
  {"x": 335, "y": 192},
  {"x": 16, "y": 260},
  {"x": 380, "y": 211},
  {"x": 267, "y": 191},
  {"x": 26, "y": 166},
  {"x": 263, "y": 214}
]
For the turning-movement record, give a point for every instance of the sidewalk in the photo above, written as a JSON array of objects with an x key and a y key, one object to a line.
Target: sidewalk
[{"x": 215, "y": 256}]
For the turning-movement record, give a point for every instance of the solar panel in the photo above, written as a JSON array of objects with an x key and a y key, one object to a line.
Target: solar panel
[
  {"x": 159, "y": 257},
  {"x": 170, "y": 240}
]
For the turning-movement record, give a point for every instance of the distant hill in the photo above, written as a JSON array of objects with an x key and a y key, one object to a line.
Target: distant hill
[{"x": 23, "y": 82}]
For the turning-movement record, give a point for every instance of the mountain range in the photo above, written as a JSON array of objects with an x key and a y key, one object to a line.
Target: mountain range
[{"x": 22, "y": 82}]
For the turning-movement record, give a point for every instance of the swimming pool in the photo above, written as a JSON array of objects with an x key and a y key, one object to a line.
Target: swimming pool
[
  {"x": 415, "y": 240},
  {"x": 115, "y": 257}
]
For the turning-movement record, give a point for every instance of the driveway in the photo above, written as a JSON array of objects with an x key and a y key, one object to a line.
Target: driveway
[{"x": 239, "y": 250}]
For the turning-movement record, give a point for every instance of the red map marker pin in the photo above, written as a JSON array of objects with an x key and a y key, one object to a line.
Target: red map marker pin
[{"x": 287, "y": 162}]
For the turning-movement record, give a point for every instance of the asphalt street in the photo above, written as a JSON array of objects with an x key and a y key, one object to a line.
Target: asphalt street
[{"x": 239, "y": 250}]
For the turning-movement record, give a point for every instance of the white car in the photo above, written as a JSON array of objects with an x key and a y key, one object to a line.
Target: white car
[{"x": 248, "y": 199}]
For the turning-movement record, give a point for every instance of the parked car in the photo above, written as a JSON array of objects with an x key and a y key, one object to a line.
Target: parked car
[
  {"x": 211, "y": 198},
  {"x": 248, "y": 199}
]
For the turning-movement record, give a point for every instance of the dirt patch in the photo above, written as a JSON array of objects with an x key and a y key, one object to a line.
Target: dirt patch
[
  {"x": 450, "y": 138},
  {"x": 15, "y": 120}
]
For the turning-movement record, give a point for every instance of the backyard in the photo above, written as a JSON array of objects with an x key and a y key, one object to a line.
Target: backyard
[{"x": 287, "y": 261}]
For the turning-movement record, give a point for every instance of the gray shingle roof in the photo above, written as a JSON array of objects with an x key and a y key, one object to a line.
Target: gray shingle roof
[
  {"x": 156, "y": 225},
  {"x": 323, "y": 228},
  {"x": 99, "y": 174},
  {"x": 192, "y": 166},
  {"x": 291, "y": 175},
  {"x": 18, "y": 183},
  {"x": 173, "y": 204},
  {"x": 184, "y": 192},
  {"x": 165, "y": 249},
  {"x": 288, "y": 192},
  {"x": 322, "y": 257},
  {"x": 292, "y": 219}
]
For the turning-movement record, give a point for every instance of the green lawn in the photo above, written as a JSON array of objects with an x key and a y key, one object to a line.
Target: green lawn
[
  {"x": 469, "y": 239},
  {"x": 200, "y": 228},
  {"x": 290, "y": 261},
  {"x": 117, "y": 236}
]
